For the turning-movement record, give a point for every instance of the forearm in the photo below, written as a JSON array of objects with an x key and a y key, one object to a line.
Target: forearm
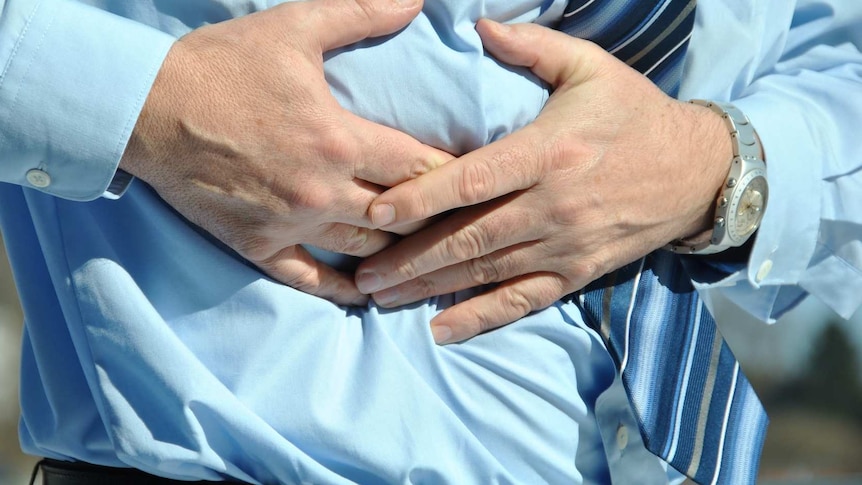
[{"x": 73, "y": 82}]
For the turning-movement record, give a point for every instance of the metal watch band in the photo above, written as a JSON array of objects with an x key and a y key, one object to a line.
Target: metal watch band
[
  {"x": 119, "y": 184},
  {"x": 746, "y": 150}
]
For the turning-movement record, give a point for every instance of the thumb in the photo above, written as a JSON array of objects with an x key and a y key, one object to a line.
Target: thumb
[
  {"x": 554, "y": 56},
  {"x": 336, "y": 23}
]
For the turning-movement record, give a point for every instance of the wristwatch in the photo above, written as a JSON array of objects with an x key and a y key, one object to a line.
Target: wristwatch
[{"x": 740, "y": 205}]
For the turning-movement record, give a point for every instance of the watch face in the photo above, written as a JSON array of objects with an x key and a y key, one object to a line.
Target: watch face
[{"x": 746, "y": 208}]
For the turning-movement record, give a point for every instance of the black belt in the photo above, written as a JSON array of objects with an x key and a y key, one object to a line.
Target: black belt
[{"x": 56, "y": 472}]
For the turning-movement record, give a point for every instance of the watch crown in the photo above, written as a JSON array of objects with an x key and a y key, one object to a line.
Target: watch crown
[
  {"x": 731, "y": 183},
  {"x": 719, "y": 221}
]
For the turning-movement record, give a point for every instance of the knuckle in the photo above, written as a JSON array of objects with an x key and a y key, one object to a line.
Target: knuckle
[
  {"x": 422, "y": 166},
  {"x": 421, "y": 206},
  {"x": 305, "y": 281},
  {"x": 479, "y": 324},
  {"x": 564, "y": 151},
  {"x": 349, "y": 239},
  {"x": 254, "y": 249},
  {"x": 356, "y": 243},
  {"x": 252, "y": 245},
  {"x": 568, "y": 212},
  {"x": 516, "y": 300},
  {"x": 477, "y": 183},
  {"x": 588, "y": 269},
  {"x": 406, "y": 269},
  {"x": 482, "y": 271},
  {"x": 466, "y": 244},
  {"x": 425, "y": 288},
  {"x": 335, "y": 144},
  {"x": 364, "y": 10},
  {"x": 476, "y": 322}
]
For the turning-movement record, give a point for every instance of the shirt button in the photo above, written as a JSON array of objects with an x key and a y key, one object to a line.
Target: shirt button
[
  {"x": 38, "y": 178},
  {"x": 763, "y": 271},
  {"x": 622, "y": 437}
]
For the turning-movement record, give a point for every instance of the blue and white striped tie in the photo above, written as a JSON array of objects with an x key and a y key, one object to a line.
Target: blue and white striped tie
[
  {"x": 694, "y": 405},
  {"x": 649, "y": 35}
]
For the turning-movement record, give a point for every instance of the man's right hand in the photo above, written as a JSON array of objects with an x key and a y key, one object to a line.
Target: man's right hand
[{"x": 242, "y": 136}]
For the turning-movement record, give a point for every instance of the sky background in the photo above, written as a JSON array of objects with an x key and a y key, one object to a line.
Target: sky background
[{"x": 782, "y": 350}]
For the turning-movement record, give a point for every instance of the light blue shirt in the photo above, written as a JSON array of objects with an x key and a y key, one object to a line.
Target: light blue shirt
[{"x": 149, "y": 345}]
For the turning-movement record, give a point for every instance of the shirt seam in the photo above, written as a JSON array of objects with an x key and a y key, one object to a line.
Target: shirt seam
[
  {"x": 39, "y": 44},
  {"x": 18, "y": 43}
]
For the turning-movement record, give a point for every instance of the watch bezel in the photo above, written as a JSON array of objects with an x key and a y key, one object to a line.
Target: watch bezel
[{"x": 748, "y": 179}]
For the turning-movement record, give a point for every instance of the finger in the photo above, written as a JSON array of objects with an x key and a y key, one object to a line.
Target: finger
[
  {"x": 388, "y": 157},
  {"x": 349, "y": 206},
  {"x": 414, "y": 227},
  {"x": 336, "y": 23},
  {"x": 460, "y": 237},
  {"x": 498, "y": 266},
  {"x": 373, "y": 158},
  {"x": 352, "y": 240},
  {"x": 295, "y": 267},
  {"x": 554, "y": 56},
  {"x": 505, "y": 166},
  {"x": 499, "y": 306}
]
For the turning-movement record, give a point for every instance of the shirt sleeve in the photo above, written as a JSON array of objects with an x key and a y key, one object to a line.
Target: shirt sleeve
[
  {"x": 74, "y": 79},
  {"x": 801, "y": 86}
]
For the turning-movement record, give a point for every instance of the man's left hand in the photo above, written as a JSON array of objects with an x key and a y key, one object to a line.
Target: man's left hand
[{"x": 611, "y": 170}]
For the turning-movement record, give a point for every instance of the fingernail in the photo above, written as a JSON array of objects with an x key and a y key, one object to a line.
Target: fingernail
[
  {"x": 368, "y": 282},
  {"x": 382, "y": 214},
  {"x": 386, "y": 297},
  {"x": 442, "y": 334}
]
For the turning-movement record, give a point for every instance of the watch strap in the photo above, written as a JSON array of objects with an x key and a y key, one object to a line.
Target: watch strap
[{"x": 119, "y": 184}]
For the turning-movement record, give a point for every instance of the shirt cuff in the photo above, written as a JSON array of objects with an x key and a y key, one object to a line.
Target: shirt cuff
[{"x": 75, "y": 80}]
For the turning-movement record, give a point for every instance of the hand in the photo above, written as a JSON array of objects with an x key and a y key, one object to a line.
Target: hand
[
  {"x": 241, "y": 135},
  {"x": 610, "y": 170}
]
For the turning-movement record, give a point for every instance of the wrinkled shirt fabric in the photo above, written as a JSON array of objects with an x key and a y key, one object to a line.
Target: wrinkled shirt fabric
[{"x": 148, "y": 344}]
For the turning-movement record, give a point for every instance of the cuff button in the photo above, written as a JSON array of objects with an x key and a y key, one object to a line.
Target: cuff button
[
  {"x": 38, "y": 178},
  {"x": 763, "y": 271}
]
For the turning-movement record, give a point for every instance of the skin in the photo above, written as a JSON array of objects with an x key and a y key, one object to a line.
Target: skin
[
  {"x": 242, "y": 136},
  {"x": 611, "y": 170}
]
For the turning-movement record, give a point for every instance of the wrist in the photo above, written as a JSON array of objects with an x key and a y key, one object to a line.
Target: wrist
[
  {"x": 741, "y": 201},
  {"x": 155, "y": 128},
  {"x": 712, "y": 156}
]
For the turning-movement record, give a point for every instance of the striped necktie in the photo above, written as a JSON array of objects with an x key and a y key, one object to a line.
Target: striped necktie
[{"x": 695, "y": 407}]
